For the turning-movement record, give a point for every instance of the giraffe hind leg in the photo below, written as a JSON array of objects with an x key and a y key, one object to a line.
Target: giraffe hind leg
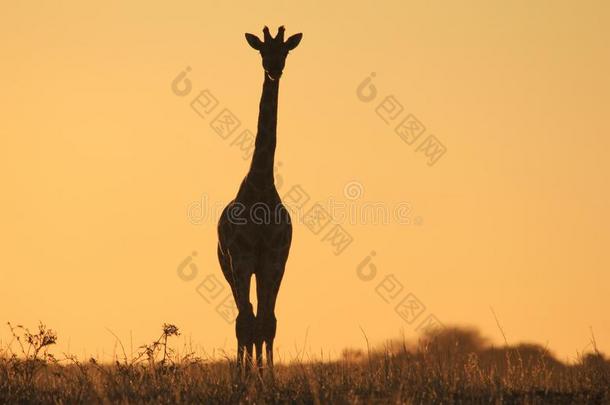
[{"x": 267, "y": 287}]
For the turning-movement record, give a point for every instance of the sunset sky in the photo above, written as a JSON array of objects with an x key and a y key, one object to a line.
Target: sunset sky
[{"x": 101, "y": 163}]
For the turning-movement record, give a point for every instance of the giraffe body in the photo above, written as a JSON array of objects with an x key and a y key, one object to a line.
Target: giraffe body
[{"x": 254, "y": 230}]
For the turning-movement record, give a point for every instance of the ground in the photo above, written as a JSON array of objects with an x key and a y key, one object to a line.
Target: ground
[{"x": 452, "y": 366}]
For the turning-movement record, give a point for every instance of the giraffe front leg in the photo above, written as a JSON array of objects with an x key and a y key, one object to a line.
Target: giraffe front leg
[
  {"x": 249, "y": 348},
  {"x": 269, "y": 350},
  {"x": 258, "y": 343},
  {"x": 240, "y": 357},
  {"x": 266, "y": 325},
  {"x": 264, "y": 335},
  {"x": 269, "y": 328},
  {"x": 267, "y": 287},
  {"x": 244, "y": 325}
]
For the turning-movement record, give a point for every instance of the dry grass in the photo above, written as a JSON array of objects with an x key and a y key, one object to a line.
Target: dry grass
[{"x": 450, "y": 367}]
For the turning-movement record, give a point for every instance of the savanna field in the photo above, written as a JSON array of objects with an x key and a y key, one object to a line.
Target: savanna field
[
  {"x": 348, "y": 188},
  {"x": 451, "y": 366}
]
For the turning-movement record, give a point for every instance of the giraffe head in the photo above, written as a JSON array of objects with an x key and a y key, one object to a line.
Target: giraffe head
[{"x": 274, "y": 50}]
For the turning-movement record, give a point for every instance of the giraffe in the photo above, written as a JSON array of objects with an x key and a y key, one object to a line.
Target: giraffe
[{"x": 254, "y": 229}]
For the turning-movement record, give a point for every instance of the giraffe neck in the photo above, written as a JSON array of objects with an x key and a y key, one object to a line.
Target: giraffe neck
[{"x": 261, "y": 169}]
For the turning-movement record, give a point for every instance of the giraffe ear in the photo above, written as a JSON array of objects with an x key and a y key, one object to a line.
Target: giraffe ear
[
  {"x": 293, "y": 41},
  {"x": 254, "y": 41}
]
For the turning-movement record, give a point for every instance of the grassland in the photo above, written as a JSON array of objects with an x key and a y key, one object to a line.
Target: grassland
[{"x": 452, "y": 366}]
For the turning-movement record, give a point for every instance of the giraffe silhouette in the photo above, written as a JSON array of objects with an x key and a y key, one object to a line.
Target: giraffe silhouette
[{"x": 254, "y": 230}]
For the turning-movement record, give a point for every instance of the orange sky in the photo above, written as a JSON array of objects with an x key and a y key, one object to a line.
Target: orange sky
[{"x": 101, "y": 162}]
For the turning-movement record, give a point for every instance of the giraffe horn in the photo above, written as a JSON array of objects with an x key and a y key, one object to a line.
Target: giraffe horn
[
  {"x": 280, "y": 34},
  {"x": 267, "y": 34}
]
